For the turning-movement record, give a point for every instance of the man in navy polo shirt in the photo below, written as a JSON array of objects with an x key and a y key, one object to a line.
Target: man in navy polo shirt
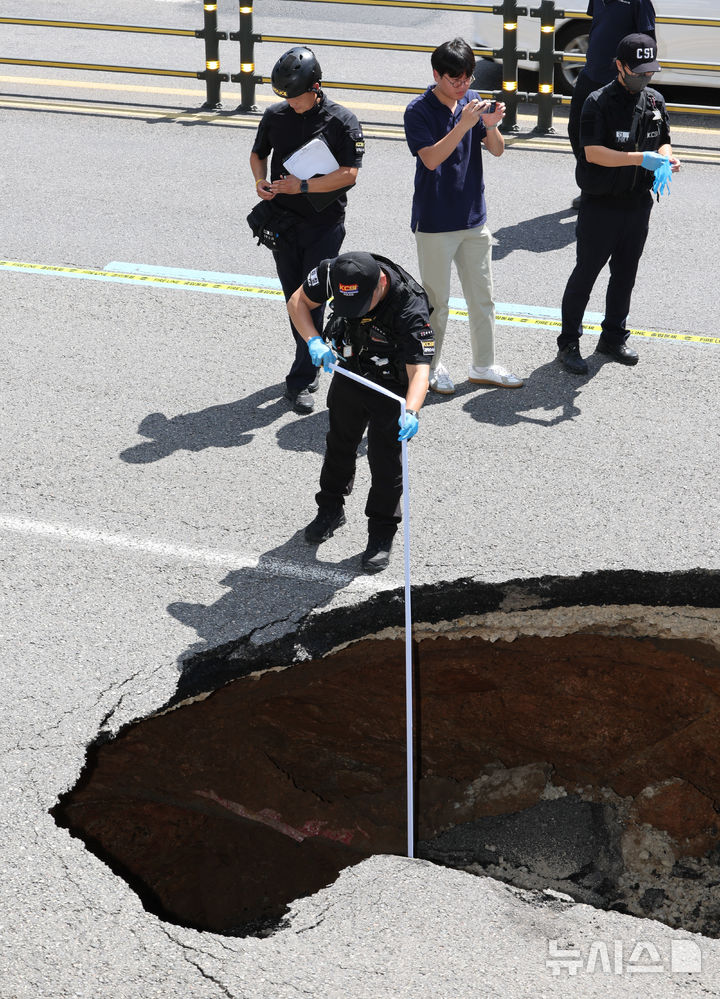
[
  {"x": 446, "y": 128},
  {"x": 611, "y": 21}
]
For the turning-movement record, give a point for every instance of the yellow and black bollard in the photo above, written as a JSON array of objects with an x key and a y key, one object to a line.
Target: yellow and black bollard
[
  {"x": 246, "y": 77},
  {"x": 509, "y": 52},
  {"x": 211, "y": 75},
  {"x": 545, "y": 57}
]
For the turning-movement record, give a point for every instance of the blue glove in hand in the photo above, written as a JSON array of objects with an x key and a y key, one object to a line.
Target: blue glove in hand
[
  {"x": 651, "y": 161},
  {"x": 408, "y": 426},
  {"x": 663, "y": 177},
  {"x": 321, "y": 353}
]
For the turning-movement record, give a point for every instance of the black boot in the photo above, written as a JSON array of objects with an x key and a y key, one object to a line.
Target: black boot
[
  {"x": 618, "y": 351},
  {"x": 301, "y": 401},
  {"x": 376, "y": 556},
  {"x": 569, "y": 357},
  {"x": 325, "y": 524}
]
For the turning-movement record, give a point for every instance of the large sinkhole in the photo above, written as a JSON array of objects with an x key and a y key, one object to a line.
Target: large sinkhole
[{"x": 566, "y": 736}]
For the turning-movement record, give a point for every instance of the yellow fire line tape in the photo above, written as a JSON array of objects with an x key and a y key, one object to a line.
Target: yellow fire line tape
[
  {"x": 138, "y": 278},
  {"x": 277, "y": 293},
  {"x": 592, "y": 328}
]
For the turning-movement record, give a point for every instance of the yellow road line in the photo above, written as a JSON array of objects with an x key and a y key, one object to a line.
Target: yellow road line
[
  {"x": 196, "y": 92},
  {"x": 235, "y": 95},
  {"x": 121, "y": 112},
  {"x": 20, "y": 265},
  {"x": 148, "y": 111},
  {"x": 524, "y": 141},
  {"x": 92, "y": 85},
  {"x": 591, "y": 328},
  {"x": 276, "y": 293}
]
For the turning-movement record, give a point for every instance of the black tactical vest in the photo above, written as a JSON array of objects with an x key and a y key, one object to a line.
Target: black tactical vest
[{"x": 370, "y": 345}]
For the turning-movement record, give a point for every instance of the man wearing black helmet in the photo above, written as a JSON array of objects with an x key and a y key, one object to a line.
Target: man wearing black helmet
[{"x": 314, "y": 207}]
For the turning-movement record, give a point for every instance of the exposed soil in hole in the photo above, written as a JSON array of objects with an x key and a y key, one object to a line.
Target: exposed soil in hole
[{"x": 589, "y": 763}]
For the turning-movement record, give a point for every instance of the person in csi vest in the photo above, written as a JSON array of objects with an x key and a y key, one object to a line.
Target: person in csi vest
[
  {"x": 624, "y": 140},
  {"x": 380, "y": 329},
  {"x": 612, "y": 20},
  {"x": 317, "y": 205}
]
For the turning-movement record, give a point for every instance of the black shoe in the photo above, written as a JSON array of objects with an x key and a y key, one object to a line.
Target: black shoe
[
  {"x": 315, "y": 383},
  {"x": 569, "y": 357},
  {"x": 576, "y": 202},
  {"x": 376, "y": 556},
  {"x": 618, "y": 351},
  {"x": 324, "y": 525},
  {"x": 302, "y": 401}
]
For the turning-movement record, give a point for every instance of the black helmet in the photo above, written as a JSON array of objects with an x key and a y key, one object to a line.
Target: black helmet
[{"x": 295, "y": 72}]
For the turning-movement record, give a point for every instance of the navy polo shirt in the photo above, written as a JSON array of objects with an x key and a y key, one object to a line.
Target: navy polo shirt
[
  {"x": 452, "y": 196},
  {"x": 612, "y": 21}
]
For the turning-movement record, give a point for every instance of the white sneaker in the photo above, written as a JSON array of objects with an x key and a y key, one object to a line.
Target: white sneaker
[
  {"x": 494, "y": 375},
  {"x": 441, "y": 382}
]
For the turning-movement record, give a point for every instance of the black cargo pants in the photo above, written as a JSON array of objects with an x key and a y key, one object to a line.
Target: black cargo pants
[
  {"x": 614, "y": 230},
  {"x": 353, "y": 408}
]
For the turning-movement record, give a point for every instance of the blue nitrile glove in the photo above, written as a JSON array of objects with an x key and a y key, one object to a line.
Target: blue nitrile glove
[
  {"x": 320, "y": 353},
  {"x": 408, "y": 426},
  {"x": 651, "y": 161},
  {"x": 663, "y": 176}
]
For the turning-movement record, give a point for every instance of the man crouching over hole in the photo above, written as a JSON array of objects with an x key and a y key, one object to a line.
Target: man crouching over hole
[{"x": 380, "y": 329}]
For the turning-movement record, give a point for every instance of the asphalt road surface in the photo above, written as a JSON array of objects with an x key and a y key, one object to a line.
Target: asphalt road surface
[{"x": 156, "y": 485}]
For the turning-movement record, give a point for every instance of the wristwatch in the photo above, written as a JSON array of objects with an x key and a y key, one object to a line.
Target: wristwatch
[
  {"x": 413, "y": 412},
  {"x": 303, "y": 187}
]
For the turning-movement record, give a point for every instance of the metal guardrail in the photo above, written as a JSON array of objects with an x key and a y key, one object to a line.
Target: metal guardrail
[
  {"x": 472, "y": 8},
  {"x": 209, "y": 32},
  {"x": 546, "y": 56},
  {"x": 38, "y": 22},
  {"x": 248, "y": 38}
]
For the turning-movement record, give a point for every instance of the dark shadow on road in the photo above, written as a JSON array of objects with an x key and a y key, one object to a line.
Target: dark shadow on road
[
  {"x": 227, "y": 425},
  {"x": 538, "y": 235},
  {"x": 548, "y": 398},
  {"x": 462, "y": 388},
  {"x": 308, "y": 433},
  {"x": 266, "y": 601}
]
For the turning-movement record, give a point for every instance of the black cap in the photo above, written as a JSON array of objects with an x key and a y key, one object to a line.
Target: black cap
[
  {"x": 639, "y": 52},
  {"x": 353, "y": 278}
]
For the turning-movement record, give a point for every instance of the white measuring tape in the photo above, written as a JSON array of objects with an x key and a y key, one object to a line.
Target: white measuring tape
[{"x": 408, "y": 609}]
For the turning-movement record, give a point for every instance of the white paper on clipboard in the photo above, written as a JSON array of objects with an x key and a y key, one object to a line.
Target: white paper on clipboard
[{"x": 310, "y": 160}]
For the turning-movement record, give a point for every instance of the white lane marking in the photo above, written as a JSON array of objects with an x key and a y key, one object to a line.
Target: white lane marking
[{"x": 265, "y": 565}]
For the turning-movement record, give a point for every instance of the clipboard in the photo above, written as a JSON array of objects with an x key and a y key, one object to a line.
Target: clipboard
[{"x": 312, "y": 160}]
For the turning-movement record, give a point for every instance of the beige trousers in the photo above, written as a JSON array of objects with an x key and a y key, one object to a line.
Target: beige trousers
[{"x": 471, "y": 252}]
